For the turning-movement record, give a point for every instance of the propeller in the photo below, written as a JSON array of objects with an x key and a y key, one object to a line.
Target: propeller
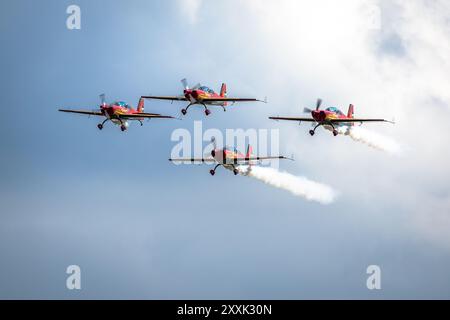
[
  {"x": 103, "y": 99},
  {"x": 213, "y": 151},
  {"x": 318, "y": 103},
  {"x": 185, "y": 83}
]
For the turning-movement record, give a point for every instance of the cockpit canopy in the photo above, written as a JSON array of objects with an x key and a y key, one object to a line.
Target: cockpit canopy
[
  {"x": 206, "y": 89},
  {"x": 121, "y": 104},
  {"x": 335, "y": 110}
]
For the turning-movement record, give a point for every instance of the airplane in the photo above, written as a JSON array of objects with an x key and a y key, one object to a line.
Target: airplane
[
  {"x": 119, "y": 113},
  {"x": 330, "y": 118},
  {"x": 229, "y": 158},
  {"x": 202, "y": 95}
]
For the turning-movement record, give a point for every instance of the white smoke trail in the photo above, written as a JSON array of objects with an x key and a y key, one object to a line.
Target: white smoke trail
[
  {"x": 373, "y": 140},
  {"x": 298, "y": 186}
]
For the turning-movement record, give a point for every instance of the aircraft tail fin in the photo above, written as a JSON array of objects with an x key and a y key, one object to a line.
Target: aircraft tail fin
[
  {"x": 223, "y": 92},
  {"x": 249, "y": 151},
  {"x": 350, "y": 111},
  {"x": 140, "y": 107},
  {"x": 248, "y": 155}
]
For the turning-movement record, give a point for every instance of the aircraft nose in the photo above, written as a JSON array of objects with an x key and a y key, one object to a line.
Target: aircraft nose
[
  {"x": 322, "y": 115},
  {"x": 318, "y": 115},
  {"x": 315, "y": 114},
  {"x": 213, "y": 153}
]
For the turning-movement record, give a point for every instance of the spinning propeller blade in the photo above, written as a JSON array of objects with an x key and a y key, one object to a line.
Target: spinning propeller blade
[
  {"x": 185, "y": 84},
  {"x": 307, "y": 110},
  {"x": 103, "y": 99},
  {"x": 318, "y": 104}
]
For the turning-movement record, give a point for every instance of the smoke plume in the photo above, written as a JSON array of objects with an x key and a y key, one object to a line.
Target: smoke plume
[
  {"x": 374, "y": 140},
  {"x": 298, "y": 186}
]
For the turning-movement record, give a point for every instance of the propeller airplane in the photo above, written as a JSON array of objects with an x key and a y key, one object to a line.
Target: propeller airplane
[
  {"x": 119, "y": 113},
  {"x": 202, "y": 95},
  {"x": 229, "y": 158},
  {"x": 331, "y": 118}
]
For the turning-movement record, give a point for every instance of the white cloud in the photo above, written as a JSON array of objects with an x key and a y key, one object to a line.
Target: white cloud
[
  {"x": 297, "y": 51},
  {"x": 191, "y": 9}
]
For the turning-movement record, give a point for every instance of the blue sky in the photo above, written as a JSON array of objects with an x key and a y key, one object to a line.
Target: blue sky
[{"x": 140, "y": 227}]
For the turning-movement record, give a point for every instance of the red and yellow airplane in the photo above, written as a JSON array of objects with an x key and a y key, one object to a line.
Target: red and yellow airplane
[
  {"x": 203, "y": 95},
  {"x": 229, "y": 158},
  {"x": 330, "y": 118},
  {"x": 119, "y": 113}
]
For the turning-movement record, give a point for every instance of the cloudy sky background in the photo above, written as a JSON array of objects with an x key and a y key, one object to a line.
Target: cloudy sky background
[{"x": 140, "y": 227}]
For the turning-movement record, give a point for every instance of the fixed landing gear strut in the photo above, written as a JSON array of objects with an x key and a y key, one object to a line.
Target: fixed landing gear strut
[
  {"x": 213, "y": 171},
  {"x": 100, "y": 125},
  {"x": 311, "y": 132},
  {"x": 123, "y": 127},
  {"x": 207, "y": 111},
  {"x": 335, "y": 132}
]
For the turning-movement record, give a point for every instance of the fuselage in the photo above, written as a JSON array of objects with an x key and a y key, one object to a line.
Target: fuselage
[
  {"x": 114, "y": 110},
  {"x": 198, "y": 95},
  {"x": 324, "y": 116},
  {"x": 227, "y": 157}
]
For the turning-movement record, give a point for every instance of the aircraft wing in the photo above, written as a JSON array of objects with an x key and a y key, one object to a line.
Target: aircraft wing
[
  {"x": 92, "y": 113},
  {"x": 225, "y": 99},
  {"x": 358, "y": 120},
  {"x": 203, "y": 160},
  {"x": 144, "y": 115},
  {"x": 293, "y": 119},
  {"x": 247, "y": 160},
  {"x": 171, "y": 98}
]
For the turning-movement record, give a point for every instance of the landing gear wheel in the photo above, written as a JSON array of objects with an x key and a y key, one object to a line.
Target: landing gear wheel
[
  {"x": 207, "y": 112},
  {"x": 311, "y": 132},
  {"x": 235, "y": 171},
  {"x": 212, "y": 172},
  {"x": 100, "y": 126},
  {"x": 123, "y": 128},
  {"x": 183, "y": 111},
  {"x": 335, "y": 132}
]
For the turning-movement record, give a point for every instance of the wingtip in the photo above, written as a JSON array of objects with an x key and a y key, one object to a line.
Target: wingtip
[{"x": 288, "y": 158}]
